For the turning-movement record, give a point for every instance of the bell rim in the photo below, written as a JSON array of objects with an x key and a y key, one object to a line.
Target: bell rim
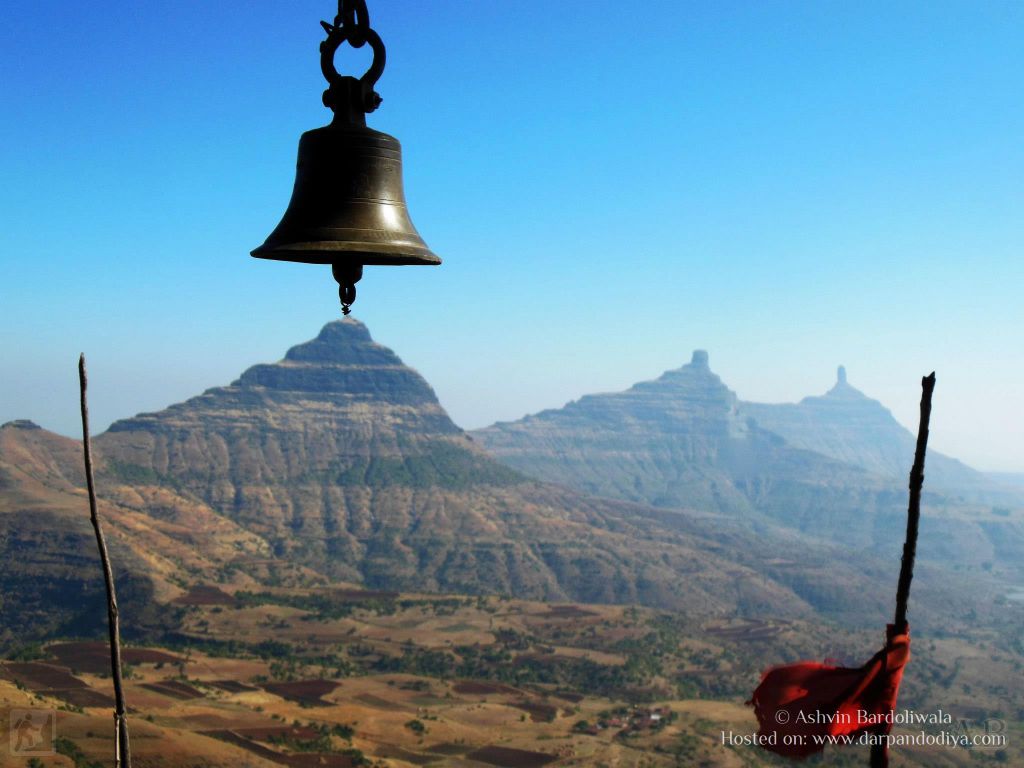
[{"x": 328, "y": 252}]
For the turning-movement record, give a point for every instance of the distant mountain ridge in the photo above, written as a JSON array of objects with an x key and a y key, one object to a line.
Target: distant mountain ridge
[
  {"x": 343, "y": 460},
  {"x": 337, "y": 464},
  {"x": 683, "y": 440},
  {"x": 341, "y": 465},
  {"x": 1013, "y": 480},
  {"x": 832, "y": 466},
  {"x": 847, "y": 425}
]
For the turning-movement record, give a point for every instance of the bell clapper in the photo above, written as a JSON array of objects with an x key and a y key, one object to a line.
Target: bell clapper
[{"x": 347, "y": 276}]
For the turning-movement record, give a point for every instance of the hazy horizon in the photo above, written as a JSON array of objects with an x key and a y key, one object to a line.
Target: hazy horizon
[
  {"x": 108, "y": 404},
  {"x": 789, "y": 186}
]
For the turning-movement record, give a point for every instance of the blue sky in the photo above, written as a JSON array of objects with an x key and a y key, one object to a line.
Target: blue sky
[{"x": 790, "y": 185}]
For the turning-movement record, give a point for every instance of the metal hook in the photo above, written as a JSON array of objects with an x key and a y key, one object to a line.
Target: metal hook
[{"x": 353, "y": 15}]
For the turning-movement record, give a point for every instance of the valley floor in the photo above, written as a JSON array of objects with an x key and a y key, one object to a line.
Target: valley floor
[{"x": 345, "y": 677}]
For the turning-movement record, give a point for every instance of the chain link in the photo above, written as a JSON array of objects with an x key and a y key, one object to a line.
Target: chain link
[{"x": 353, "y": 16}]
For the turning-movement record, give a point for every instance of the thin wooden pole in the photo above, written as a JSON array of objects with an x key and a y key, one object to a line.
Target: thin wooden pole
[
  {"x": 914, "y": 509},
  {"x": 879, "y": 752},
  {"x": 122, "y": 751}
]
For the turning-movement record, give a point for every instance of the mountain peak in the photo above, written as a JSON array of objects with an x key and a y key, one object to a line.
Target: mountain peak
[
  {"x": 843, "y": 388},
  {"x": 319, "y": 381},
  {"x": 20, "y": 424},
  {"x": 345, "y": 329},
  {"x": 847, "y": 425},
  {"x": 695, "y": 377},
  {"x": 346, "y": 342}
]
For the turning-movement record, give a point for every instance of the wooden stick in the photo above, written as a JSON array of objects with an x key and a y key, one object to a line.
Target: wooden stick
[
  {"x": 914, "y": 509},
  {"x": 122, "y": 751},
  {"x": 880, "y": 752}
]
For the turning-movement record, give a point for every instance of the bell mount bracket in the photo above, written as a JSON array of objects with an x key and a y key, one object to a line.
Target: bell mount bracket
[{"x": 351, "y": 98}]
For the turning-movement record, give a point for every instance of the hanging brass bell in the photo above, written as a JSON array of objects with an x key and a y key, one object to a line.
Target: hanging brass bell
[{"x": 348, "y": 205}]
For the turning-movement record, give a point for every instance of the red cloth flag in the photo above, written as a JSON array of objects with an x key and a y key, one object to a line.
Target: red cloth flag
[{"x": 796, "y": 703}]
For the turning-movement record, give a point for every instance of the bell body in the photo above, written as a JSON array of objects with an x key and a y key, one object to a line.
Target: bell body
[{"x": 348, "y": 206}]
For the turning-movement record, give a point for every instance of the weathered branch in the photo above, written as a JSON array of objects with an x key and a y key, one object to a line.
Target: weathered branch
[{"x": 122, "y": 754}]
